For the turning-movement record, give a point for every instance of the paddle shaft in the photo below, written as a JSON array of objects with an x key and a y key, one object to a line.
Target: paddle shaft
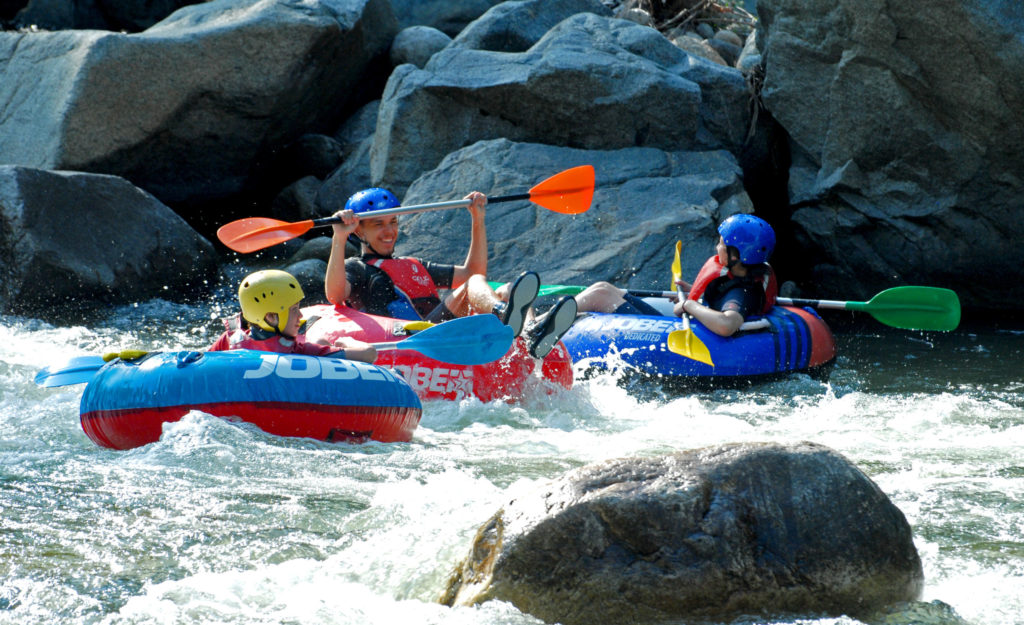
[
  {"x": 562, "y": 289},
  {"x": 418, "y": 208}
]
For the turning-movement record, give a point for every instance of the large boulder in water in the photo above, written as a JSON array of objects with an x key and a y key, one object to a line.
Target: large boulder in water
[
  {"x": 906, "y": 126},
  {"x": 192, "y": 108},
  {"x": 68, "y": 238},
  {"x": 591, "y": 82},
  {"x": 646, "y": 199},
  {"x": 707, "y": 534}
]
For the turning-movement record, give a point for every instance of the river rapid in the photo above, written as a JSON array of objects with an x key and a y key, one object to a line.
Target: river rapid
[{"x": 221, "y": 523}]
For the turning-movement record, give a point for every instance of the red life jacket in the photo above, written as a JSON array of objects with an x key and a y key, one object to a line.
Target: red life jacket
[
  {"x": 714, "y": 272},
  {"x": 237, "y": 337},
  {"x": 415, "y": 289}
]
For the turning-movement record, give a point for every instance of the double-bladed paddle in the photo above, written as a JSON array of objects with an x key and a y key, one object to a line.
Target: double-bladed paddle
[
  {"x": 473, "y": 340},
  {"x": 907, "y": 307},
  {"x": 569, "y": 192}
]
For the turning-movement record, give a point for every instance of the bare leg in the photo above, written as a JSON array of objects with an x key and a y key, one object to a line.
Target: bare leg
[
  {"x": 600, "y": 297},
  {"x": 480, "y": 297}
]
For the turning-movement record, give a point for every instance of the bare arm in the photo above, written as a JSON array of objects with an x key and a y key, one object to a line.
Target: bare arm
[
  {"x": 721, "y": 323},
  {"x": 476, "y": 258},
  {"x": 335, "y": 282}
]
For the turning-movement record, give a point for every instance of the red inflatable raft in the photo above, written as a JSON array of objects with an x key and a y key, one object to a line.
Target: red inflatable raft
[{"x": 506, "y": 378}]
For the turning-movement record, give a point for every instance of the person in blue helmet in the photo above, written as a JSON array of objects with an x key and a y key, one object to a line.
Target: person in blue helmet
[
  {"x": 380, "y": 283},
  {"x": 737, "y": 282}
]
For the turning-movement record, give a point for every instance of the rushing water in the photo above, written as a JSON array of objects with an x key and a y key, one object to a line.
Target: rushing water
[{"x": 220, "y": 523}]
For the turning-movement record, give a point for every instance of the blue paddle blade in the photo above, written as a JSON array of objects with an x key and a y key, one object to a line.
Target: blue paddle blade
[
  {"x": 74, "y": 370},
  {"x": 473, "y": 340}
]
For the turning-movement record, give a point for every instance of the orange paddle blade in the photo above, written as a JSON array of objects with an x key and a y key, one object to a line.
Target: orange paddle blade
[
  {"x": 256, "y": 233},
  {"x": 569, "y": 192}
]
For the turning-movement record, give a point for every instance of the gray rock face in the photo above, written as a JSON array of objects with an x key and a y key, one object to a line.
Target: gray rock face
[
  {"x": 127, "y": 15},
  {"x": 516, "y": 25},
  {"x": 69, "y": 238},
  {"x": 448, "y": 16},
  {"x": 645, "y": 200},
  {"x": 715, "y": 534},
  {"x": 417, "y": 44},
  {"x": 188, "y": 108},
  {"x": 591, "y": 82},
  {"x": 906, "y": 128}
]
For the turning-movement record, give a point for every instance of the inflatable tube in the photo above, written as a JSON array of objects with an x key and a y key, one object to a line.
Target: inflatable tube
[
  {"x": 503, "y": 379},
  {"x": 329, "y": 399},
  {"x": 795, "y": 339}
]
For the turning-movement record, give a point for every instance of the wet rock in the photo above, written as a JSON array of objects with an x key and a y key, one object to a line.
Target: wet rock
[
  {"x": 67, "y": 238},
  {"x": 710, "y": 534}
]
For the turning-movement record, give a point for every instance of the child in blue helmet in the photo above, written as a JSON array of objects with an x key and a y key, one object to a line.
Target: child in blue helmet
[
  {"x": 737, "y": 281},
  {"x": 380, "y": 283}
]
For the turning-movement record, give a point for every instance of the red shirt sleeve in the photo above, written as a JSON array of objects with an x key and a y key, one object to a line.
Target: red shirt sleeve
[{"x": 223, "y": 343}]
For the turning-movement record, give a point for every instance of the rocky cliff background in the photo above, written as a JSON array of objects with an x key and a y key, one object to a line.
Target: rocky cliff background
[{"x": 881, "y": 140}]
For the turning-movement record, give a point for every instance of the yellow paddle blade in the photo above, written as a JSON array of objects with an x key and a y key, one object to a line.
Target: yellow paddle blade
[
  {"x": 687, "y": 344},
  {"x": 677, "y": 267}
]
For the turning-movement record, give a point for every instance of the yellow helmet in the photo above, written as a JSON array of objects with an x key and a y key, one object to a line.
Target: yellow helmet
[{"x": 269, "y": 291}]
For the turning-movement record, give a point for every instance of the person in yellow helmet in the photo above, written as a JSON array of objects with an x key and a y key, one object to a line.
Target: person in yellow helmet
[{"x": 270, "y": 321}]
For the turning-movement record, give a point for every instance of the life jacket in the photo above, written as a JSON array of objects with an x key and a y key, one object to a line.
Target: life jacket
[
  {"x": 240, "y": 335},
  {"x": 717, "y": 277},
  {"x": 416, "y": 295}
]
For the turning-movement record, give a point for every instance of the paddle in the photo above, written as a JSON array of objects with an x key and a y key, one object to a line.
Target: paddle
[
  {"x": 569, "y": 192},
  {"x": 474, "y": 340},
  {"x": 905, "y": 307},
  {"x": 570, "y": 289},
  {"x": 684, "y": 342},
  {"x": 74, "y": 370}
]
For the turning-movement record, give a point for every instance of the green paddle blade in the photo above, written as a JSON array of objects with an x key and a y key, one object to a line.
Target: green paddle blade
[
  {"x": 550, "y": 289},
  {"x": 914, "y": 308}
]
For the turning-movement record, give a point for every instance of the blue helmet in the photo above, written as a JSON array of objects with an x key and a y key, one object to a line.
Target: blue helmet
[
  {"x": 371, "y": 200},
  {"x": 752, "y": 236}
]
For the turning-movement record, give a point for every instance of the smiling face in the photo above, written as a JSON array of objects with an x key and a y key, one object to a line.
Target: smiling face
[{"x": 379, "y": 233}]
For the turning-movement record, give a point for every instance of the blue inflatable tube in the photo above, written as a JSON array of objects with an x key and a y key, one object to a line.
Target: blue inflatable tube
[
  {"x": 792, "y": 339},
  {"x": 127, "y": 402}
]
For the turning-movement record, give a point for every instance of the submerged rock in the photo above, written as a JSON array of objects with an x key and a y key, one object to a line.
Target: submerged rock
[{"x": 714, "y": 533}]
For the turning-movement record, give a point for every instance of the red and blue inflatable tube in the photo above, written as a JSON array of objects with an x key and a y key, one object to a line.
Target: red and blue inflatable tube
[{"x": 331, "y": 399}]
